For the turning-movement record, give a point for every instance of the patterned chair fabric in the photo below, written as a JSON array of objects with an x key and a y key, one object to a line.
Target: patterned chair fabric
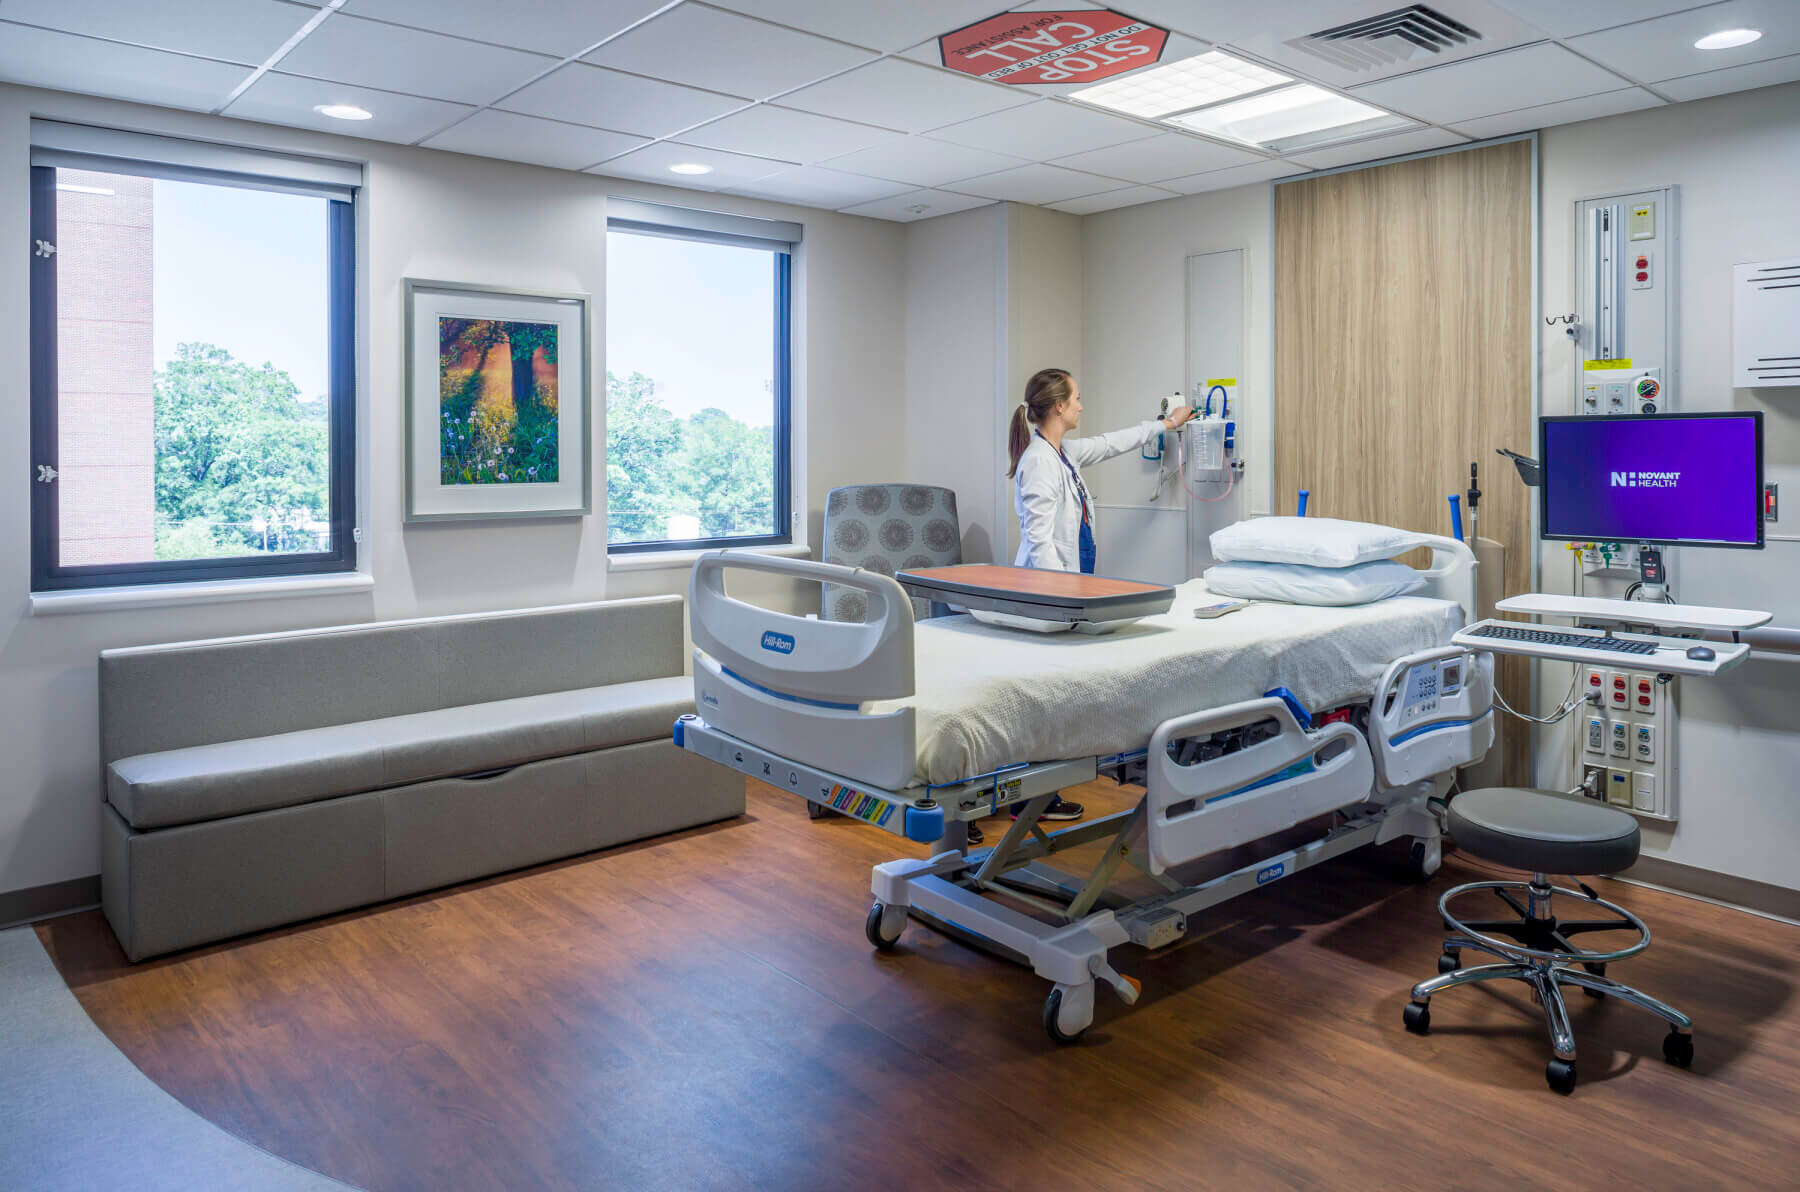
[{"x": 887, "y": 528}]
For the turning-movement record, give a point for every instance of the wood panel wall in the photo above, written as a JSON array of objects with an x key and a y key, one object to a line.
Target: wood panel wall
[{"x": 1403, "y": 338}]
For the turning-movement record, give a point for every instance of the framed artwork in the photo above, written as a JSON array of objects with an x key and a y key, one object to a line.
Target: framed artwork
[{"x": 498, "y": 409}]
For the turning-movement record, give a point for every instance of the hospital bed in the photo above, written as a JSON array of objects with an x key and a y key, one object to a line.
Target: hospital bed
[{"x": 1238, "y": 728}]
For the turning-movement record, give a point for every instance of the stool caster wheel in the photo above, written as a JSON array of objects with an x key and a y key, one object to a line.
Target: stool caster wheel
[
  {"x": 1678, "y": 1048},
  {"x": 1450, "y": 961},
  {"x": 1560, "y": 1075},
  {"x": 882, "y": 920},
  {"x": 1599, "y": 970},
  {"x": 1417, "y": 1017}
]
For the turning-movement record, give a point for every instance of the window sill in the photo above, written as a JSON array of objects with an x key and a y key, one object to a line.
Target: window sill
[
  {"x": 106, "y": 600},
  {"x": 664, "y": 560}
]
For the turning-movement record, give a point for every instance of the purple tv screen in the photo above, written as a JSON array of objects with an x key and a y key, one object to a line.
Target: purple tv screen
[{"x": 1656, "y": 478}]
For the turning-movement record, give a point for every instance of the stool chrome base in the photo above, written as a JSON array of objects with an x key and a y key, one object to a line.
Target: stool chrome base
[{"x": 1538, "y": 951}]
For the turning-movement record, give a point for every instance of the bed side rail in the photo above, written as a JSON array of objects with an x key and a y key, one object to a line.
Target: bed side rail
[
  {"x": 1433, "y": 712},
  {"x": 1451, "y": 575},
  {"x": 1199, "y": 808},
  {"x": 836, "y": 662}
]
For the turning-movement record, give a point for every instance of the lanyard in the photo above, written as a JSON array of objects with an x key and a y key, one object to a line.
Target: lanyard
[{"x": 1080, "y": 488}]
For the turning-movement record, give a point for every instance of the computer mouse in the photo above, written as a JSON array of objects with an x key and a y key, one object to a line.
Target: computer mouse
[{"x": 1701, "y": 653}]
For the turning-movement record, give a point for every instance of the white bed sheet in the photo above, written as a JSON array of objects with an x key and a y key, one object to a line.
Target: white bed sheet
[{"x": 989, "y": 697}]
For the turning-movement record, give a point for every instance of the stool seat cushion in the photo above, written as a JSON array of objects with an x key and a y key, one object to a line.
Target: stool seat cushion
[{"x": 1543, "y": 831}]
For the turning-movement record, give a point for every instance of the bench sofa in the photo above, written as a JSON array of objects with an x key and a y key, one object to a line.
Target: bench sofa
[{"x": 256, "y": 781}]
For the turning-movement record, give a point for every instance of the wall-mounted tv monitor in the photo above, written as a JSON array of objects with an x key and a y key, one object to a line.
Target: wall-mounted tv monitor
[{"x": 1667, "y": 479}]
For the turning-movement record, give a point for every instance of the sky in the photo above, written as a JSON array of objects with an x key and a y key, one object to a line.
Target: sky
[
  {"x": 245, "y": 270},
  {"x": 697, "y": 318}
]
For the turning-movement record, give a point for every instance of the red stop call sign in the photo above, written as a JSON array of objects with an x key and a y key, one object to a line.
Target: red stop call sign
[{"x": 1081, "y": 46}]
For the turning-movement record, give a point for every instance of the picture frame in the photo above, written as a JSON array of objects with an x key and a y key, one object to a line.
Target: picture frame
[{"x": 499, "y": 402}]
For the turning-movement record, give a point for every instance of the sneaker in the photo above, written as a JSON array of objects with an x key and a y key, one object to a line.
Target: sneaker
[
  {"x": 976, "y": 835},
  {"x": 1061, "y": 809}
]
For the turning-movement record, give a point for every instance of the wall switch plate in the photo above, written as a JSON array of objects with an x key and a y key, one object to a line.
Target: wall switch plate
[{"x": 1643, "y": 791}]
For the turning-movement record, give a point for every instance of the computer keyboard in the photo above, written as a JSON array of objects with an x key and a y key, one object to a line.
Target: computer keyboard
[{"x": 1550, "y": 637}]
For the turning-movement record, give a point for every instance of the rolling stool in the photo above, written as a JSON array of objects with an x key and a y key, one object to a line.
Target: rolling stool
[{"x": 1543, "y": 832}]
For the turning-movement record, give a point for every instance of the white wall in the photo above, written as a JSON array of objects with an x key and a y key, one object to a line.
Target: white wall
[
  {"x": 1736, "y": 160},
  {"x": 955, "y": 329},
  {"x": 425, "y": 214}
]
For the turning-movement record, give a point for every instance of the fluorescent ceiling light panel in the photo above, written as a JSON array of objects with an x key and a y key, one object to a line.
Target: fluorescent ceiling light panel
[
  {"x": 1728, "y": 39},
  {"x": 1298, "y": 117},
  {"x": 1190, "y": 83}
]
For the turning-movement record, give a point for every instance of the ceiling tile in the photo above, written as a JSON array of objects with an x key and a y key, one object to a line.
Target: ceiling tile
[
  {"x": 1131, "y": 196},
  {"x": 604, "y": 98},
  {"x": 1374, "y": 150},
  {"x": 652, "y": 163},
  {"x": 884, "y": 25},
  {"x": 1038, "y": 184},
  {"x": 1262, "y": 171},
  {"x": 791, "y": 136},
  {"x": 923, "y": 162},
  {"x": 816, "y": 186},
  {"x": 558, "y": 27},
  {"x": 246, "y": 31},
  {"x": 1734, "y": 78},
  {"x": 1589, "y": 107},
  {"x": 1560, "y": 18},
  {"x": 1167, "y": 156},
  {"x": 897, "y": 94},
  {"x": 1177, "y": 47},
  {"x": 1043, "y": 130},
  {"x": 1651, "y": 51},
  {"x": 916, "y": 205},
  {"x": 722, "y": 51},
  {"x": 529, "y": 139},
  {"x": 1538, "y": 74},
  {"x": 65, "y": 62},
  {"x": 289, "y": 99},
  {"x": 351, "y": 50}
]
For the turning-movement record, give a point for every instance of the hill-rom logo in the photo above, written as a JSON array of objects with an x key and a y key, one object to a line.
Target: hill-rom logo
[
  {"x": 1645, "y": 479},
  {"x": 781, "y": 643}
]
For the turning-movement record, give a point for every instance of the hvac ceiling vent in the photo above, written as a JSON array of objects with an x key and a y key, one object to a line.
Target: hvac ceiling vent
[{"x": 1403, "y": 35}]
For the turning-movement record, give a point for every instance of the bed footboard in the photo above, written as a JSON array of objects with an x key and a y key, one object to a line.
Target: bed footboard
[{"x": 796, "y": 685}]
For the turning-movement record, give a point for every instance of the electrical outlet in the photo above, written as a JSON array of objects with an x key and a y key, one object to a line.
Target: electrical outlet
[
  {"x": 1618, "y": 689},
  {"x": 1593, "y": 781},
  {"x": 1621, "y": 739},
  {"x": 1646, "y": 743},
  {"x": 1596, "y": 735}
]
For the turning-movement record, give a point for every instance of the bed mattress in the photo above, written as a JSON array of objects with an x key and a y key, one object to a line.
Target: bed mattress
[{"x": 988, "y": 697}]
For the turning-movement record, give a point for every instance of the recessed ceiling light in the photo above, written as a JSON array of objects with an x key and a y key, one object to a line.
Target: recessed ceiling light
[
  {"x": 1190, "y": 83},
  {"x": 689, "y": 167},
  {"x": 344, "y": 111},
  {"x": 1726, "y": 39},
  {"x": 1297, "y": 117}
]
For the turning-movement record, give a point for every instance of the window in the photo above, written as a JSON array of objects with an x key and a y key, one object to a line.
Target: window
[
  {"x": 697, "y": 440},
  {"x": 192, "y": 362}
]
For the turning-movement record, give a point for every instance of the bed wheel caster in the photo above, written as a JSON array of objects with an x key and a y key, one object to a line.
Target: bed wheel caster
[
  {"x": 884, "y": 925},
  {"x": 1678, "y": 1049},
  {"x": 1450, "y": 961},
  {"x": 1560, "y": 1076},
  {"x": 1425, "y": 858},
  {"x": 1599, "y": 970},
  {"x": 1053, "y": 1018},
  {"x": 1417, "y": 1017}
]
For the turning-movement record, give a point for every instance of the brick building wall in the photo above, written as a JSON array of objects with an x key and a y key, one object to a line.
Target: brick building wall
[{"x": 105, "y": 369}]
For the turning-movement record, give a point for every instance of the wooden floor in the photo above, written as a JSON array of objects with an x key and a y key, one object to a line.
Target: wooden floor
[{"x": 702, "y": 1011}]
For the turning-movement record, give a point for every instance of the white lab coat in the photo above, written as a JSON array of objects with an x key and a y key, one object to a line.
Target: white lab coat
[{"x": 1046, "y": 500}]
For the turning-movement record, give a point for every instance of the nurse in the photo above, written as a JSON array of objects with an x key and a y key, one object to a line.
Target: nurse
[{"x": 1056, "y": 516}]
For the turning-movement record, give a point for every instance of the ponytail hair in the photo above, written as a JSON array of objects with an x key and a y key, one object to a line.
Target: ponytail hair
[{"x": 1046, "y": 390}]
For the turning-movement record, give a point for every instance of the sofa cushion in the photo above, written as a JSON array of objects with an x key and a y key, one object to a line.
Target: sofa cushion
[{"x": 203, "y": 782}]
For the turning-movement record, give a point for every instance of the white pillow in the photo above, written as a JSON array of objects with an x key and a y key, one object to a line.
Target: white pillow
[
  {"x": 1296, "y": 583},
  {"x": 1314, "y": 541}
]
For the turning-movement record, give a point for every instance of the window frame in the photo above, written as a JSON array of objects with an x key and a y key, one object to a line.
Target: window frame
[
  {"x": 779, "y": 239},
  {"x": 48, "y": 574}
]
